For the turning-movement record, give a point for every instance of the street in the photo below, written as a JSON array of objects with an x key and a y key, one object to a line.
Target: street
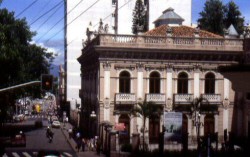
[{"x": 36, "y": 140}]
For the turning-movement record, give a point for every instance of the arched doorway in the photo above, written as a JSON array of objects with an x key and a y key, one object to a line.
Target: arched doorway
[
  {"x": 209, "y": 124},
  {"x": 154, "y": 129},
  {"x": 124, "y": 136}
]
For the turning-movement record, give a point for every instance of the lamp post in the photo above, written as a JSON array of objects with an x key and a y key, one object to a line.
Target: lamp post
[
  {"x": 78, "y": 113},
  {"x": 92, "y": 117}
]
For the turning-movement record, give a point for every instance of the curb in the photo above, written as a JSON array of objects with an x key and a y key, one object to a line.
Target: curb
[{"x": 68, "y": 140}]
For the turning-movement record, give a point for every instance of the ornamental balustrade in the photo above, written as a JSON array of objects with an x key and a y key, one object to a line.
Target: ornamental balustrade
[
  {"x": 124, "y": 97},
  {"x": 194, "y": 43},
  {"x": 212, "y": 98},
  {"x": 183, "y": 98},
  {"x": 156, "y": 98}
]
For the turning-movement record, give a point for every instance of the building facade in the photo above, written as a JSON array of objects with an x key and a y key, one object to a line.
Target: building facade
[
  {"x": 113, "y": 13},
  {"x": 171, "y": 66}
]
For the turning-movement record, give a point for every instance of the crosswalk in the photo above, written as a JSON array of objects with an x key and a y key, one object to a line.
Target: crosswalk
[
  {"x": 32, "y": 154},
  {"x": 36, "y": 116}
]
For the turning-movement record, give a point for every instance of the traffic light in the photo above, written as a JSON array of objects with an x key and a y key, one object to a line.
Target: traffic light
[{"x": 47, "y": 82}]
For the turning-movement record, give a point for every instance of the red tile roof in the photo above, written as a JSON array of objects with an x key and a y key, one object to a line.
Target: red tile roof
[{"x": 180, "y": 31}]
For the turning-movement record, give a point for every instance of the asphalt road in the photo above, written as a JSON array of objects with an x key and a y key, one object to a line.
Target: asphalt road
[{"x": 36, "y": 140}]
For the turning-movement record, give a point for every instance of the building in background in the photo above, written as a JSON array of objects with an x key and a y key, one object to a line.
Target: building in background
[
  {"x": 117, "y": 14},
  {"x": 170, "y": 65}
]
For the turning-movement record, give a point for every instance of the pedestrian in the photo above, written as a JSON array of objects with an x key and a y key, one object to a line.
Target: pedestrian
[
  {"x": 98, "y": 146},
  {"x": 78, "y": 144},
  {"x": 83, "y": 144},
  {"x": 70, "y": 133}
]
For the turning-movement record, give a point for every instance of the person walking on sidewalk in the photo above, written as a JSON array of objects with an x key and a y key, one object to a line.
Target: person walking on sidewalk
[
  {"x": 70, "y": 131},
  {"x": 78, "y": 141},
  {"x": 83, "y": 144}
]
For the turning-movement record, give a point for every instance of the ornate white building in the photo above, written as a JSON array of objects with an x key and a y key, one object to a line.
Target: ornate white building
[
  {"x": 118, "y": 15},
  {"x": 171, "y": 66}
]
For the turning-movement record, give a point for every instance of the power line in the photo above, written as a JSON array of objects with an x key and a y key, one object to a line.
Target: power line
[
  {"x": 103, "y": 19},
  {"x": 49, "y": 17},
  {"x": 59, "y": 20},
  {"x": 112, "y": 13},
  {"x": 72, "y": 21},
  {"x": 46, "y": 13},
  {"x": 46, "y": 4},
  {"x": 26, "y": 8}
]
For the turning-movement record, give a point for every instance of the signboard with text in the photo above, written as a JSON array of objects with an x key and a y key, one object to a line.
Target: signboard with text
[{"x": 173, "y": 126}]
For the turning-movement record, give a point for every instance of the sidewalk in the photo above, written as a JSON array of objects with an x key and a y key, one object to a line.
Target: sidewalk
[{"x": 72, "y": 143}]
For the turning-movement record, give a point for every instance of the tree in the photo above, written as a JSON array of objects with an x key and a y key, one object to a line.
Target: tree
[
  {"x": 212, "y": 17},
  {"x": 216, "y": 17},
  {"x": 145, "y": 110},
  {"x": 20, "y": 60},
  {"x": 139, "y": 18},
  {"x": 233, "y": 16}
]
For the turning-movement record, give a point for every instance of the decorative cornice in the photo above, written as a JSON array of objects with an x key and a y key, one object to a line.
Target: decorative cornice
[
  {"x": 125, "y": 66},
  {"x": 106, "y": 66},
  {"x": 139, "y": 67}
]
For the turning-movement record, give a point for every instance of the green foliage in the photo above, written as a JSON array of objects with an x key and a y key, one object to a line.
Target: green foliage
[
  {"x": 233, "y": 16},
  {"x": 20, "y": 60},
  {"x": 212, "y": 17},
  {"x": 216, "y": 17},
  {"x": 145, "y": 110},
  {"x": 139, "y": 18}
]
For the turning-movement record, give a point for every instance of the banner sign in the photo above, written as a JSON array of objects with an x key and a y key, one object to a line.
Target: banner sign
[
  {"x": 120, "y": 126},
  {"x": 173, "y": 126}
]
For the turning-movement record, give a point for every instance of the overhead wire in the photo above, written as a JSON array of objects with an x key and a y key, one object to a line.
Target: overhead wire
[
  {"x": 106, "y": 17},
  {"x": 26, "y": 8},
  {"x": 72, "y": 21},
  {"x": 46, "y": 12},
  {"x": 45, "y": 5},
  {"x": 59, "y": 21},
  {"x": 50, "y": 17},
  {"x": 80, "y": 15}
]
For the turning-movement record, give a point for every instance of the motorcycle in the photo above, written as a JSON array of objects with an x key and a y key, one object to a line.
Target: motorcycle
[{"x": 50, "y": 136}]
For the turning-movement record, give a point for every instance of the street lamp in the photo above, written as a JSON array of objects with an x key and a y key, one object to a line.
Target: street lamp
[
  {"x": 92, "y": 123},
  {"x": 78, "y": 112}
]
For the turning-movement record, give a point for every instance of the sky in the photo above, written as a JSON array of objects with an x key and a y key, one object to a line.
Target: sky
[{"x": 46, "y": 18}]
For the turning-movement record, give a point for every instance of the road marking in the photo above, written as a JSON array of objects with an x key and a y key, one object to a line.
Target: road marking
[
  {"x": 26, "y": 154},
  {"x": 15, "y": 154},
  {"x": 5, "y": 155},
  {"x": 67, "y": 154}
]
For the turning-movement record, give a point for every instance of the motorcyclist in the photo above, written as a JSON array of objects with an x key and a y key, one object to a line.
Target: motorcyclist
[{"x": 49, "y": 133}]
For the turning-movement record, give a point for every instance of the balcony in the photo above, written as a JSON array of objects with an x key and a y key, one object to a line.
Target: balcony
[
  {"x": 156, "y": 98},
  {"x": 125, "y": 98},
  {"x": 183, "y": 102},
  {"x": 212, "y": 98}
]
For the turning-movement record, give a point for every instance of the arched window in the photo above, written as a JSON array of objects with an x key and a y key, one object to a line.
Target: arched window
[
  {"x": 124, "y": 138},
  {"x": 182, "y": 83},
  {"x": 154, "y": 82},
  {"x": 124, "y": 82},
  {"x": 154, "y": 129},
  {"x": 209, "y": 83}
]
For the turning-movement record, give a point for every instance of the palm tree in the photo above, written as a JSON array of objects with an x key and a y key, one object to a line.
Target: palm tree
[
  {"x": 196, "y": 109},
  {"x": 145, "y": 110}
]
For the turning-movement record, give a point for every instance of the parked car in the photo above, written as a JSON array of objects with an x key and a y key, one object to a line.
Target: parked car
[
  {"x": 56, "y": 124},
  {"x": 18, "y": 139},
  {"x": 19, "y": 118}
]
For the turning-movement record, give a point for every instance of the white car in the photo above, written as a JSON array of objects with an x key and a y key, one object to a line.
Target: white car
[{"x": 56, "y": 124}]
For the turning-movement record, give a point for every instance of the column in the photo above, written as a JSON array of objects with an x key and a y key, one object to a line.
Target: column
[
  {"x": 140, "y": 81},
  {"x": 196, "y": 83},
  {"x": 106, "y": 90},
  {"x": 169, "y": 88}
]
